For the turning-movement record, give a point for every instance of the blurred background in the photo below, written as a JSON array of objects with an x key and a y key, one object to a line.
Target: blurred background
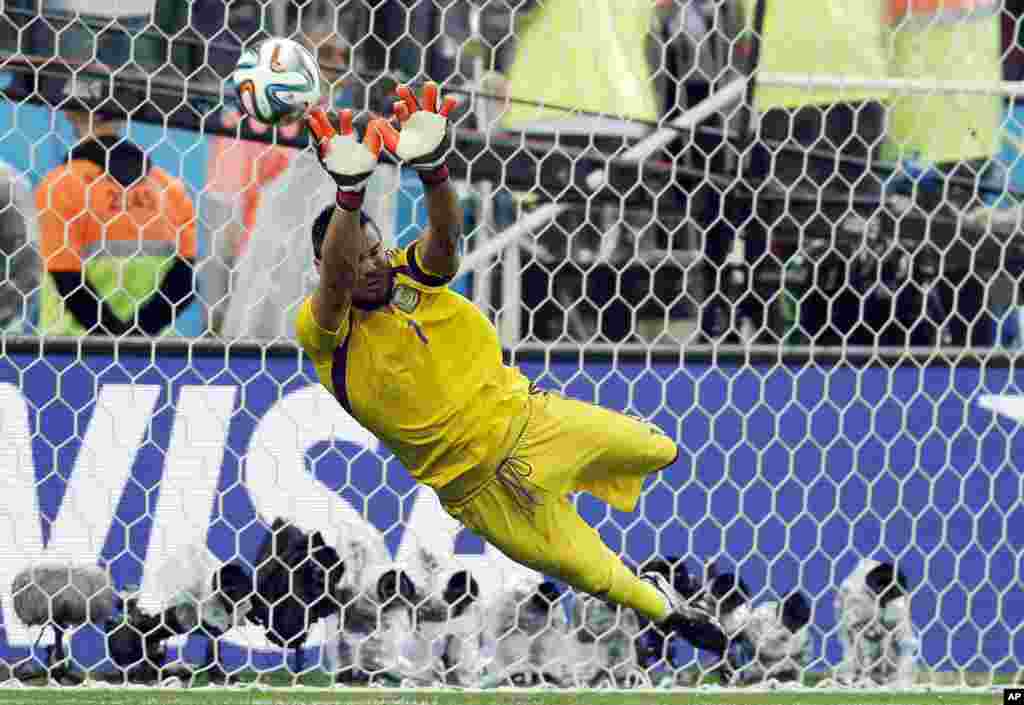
[{"x": 732, "y": 198}]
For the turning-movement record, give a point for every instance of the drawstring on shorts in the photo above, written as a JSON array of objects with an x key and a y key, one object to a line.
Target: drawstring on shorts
[{"x": 512, "y": 474}]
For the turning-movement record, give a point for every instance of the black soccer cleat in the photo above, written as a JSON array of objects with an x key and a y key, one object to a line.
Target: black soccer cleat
[
  {"x": 679, "y": 606},
  {"x": 688, "y": 619}
]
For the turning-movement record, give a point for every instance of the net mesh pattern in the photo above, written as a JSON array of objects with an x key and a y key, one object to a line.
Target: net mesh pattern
[{"x": 788, "y": 236}]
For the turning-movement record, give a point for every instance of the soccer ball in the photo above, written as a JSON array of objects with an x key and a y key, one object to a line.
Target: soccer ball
[{"x": 276, "y": 81}]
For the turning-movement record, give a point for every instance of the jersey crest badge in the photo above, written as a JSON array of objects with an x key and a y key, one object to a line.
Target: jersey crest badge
[{"x": 405, "y": 298}]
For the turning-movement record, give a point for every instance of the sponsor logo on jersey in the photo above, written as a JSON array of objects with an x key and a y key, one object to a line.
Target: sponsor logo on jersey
[{"x": 405, "y": 298}]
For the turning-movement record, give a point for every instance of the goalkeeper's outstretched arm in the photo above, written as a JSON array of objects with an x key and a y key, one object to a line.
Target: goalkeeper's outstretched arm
[
  {"x": 344, "y": 243},
  {"x": 439, "y": 251},
  {"x": 350, "y": 163},
  {"x": 423, "y": 144}
]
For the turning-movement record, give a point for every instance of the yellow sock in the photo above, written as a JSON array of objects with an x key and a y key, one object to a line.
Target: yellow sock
[{"x": 629, "y": 590}]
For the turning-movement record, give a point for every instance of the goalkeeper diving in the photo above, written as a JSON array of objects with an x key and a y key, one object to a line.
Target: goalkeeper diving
[{"x": 421, "y": 367}]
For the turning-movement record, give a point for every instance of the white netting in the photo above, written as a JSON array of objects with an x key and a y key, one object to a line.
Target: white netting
[{"x": 784, "y": 232}]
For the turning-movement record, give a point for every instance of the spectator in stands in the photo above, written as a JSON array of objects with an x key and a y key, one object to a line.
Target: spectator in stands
[
  {"x": 19, "y": 240},
  {"x": 117, "y": 242}
]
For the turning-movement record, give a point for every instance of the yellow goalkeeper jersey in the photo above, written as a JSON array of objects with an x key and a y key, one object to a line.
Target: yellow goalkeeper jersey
[{"x": 424, "y": 374}]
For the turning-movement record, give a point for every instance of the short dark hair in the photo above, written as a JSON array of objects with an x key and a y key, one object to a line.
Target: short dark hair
[
  {"x": 117, "y": 156},
  {"x": 324, "y": 219}
]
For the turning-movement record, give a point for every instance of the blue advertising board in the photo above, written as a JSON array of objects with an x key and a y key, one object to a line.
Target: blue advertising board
[{"x": 788, "y": 473}]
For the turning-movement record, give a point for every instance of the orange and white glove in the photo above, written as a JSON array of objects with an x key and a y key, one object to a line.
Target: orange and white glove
[
  {"x": 423, "y": 138},
  {"x": 349, "y": 161}
]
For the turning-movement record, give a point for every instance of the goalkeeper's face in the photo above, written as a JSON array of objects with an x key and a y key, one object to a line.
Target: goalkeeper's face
[{"x": 375, "y": 278}]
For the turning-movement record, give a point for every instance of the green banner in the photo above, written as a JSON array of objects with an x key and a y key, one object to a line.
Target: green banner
[
  {"x": 588, "y": 54},
  {"x": 821, "y": 38},
  {"x": 946, "y": 127},
  {"x": 853, "y": 38}
]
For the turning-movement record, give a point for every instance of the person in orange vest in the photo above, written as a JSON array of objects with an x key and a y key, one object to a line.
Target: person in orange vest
[{"x": 117, "y": 242}]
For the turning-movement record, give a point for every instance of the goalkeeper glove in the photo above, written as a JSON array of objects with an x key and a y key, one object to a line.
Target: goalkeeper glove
[
  {"x": 349, "y": 161},
  {"x": 424, "y": 138}
]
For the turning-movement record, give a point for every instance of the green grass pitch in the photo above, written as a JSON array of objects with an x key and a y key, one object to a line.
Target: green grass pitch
[
  {"x": 277, "y": 688},
  {"x": 317, "y": 696}
]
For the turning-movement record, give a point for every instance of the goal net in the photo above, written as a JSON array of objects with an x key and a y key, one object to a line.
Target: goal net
[{"x": 787, "y": 233}]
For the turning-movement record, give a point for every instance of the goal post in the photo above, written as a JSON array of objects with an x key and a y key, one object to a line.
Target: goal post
[{"x": 817, "y": 296}]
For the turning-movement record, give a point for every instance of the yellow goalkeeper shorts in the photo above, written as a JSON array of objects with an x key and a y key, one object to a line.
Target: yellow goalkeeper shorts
[{"x": 522, "y": 506}]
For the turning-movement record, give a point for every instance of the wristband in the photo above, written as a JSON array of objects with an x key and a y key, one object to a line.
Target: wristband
[
  {"x": 435, "y": 176},
  {"x": 350, "y": 200}
]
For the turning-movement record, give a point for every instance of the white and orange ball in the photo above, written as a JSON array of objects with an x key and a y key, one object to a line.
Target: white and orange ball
[{"x": 276, "y": 81}]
